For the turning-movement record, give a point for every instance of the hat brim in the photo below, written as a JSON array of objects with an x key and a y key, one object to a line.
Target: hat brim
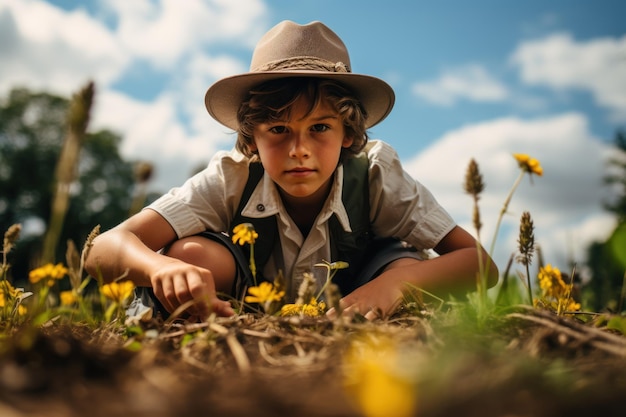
[{"x": 222, "y": 99}]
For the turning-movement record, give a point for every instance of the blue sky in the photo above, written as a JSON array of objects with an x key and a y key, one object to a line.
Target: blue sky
[{"x": 481, "y": 79}]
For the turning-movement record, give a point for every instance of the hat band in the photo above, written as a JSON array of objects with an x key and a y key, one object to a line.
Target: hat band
[{"x": 309, "y": 63}]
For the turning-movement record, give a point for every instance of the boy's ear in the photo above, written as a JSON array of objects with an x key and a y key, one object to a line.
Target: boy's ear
[
  {"x": 347, "y": 141},
  {"x": 252, "y": 147}
]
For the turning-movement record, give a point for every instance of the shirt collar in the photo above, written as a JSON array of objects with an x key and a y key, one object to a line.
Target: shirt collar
[{"x": 265, "y": 201}]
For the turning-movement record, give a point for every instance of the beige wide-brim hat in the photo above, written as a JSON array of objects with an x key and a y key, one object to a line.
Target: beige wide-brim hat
[{"x": 292, "y": 50}]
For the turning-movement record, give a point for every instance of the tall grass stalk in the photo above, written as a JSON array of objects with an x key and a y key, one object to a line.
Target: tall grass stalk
[
  {"x": 526, "y": 243},
  {"x": 67, "y": 167},
  {"x": 474, "y": 186}
]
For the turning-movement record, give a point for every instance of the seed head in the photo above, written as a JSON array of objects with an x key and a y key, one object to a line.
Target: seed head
[
  {"x": 526, "y": 239},
  {"x": 11, "y": 236},
  {"x": 474, "y": 184}
]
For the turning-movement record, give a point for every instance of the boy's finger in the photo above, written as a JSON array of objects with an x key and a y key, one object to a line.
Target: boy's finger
[
  {"x": 374, "y": 313},
  {"x": 223, "y": 308},
  {"x": 164, "y": 292}
]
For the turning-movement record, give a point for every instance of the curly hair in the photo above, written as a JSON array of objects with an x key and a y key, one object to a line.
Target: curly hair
[{"x": 274, "y": 100}]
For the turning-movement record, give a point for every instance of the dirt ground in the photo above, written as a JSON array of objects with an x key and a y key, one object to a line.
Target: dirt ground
[{"x": 529, "y": 363}]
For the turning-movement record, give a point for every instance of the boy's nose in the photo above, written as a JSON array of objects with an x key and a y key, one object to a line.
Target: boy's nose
[{"x": 299, "y": 148}]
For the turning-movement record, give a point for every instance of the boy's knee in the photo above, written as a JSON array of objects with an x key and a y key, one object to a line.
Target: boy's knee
[
  {"x": 206, "y": 253},
  {"x": 401, "y": 262},
  {"x": 187, "y": 249}
]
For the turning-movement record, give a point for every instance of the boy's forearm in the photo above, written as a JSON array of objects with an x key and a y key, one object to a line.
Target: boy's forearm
[
  {"x": 452, "y": 273},
  {"x": 117, "y": 253}
]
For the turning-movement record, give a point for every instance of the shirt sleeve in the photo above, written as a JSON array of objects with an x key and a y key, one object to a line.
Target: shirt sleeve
[
  {"x": 401, "y": 206},
  {"x": 209, "y": 199}
]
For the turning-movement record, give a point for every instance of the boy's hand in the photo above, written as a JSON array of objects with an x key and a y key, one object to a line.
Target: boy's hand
[
  {"x": 177, "y": 283},
  {"x": 377, "y": 299}
]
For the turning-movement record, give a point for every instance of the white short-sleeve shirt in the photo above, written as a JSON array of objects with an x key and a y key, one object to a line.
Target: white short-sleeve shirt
[{"x": 400, "y": 207}]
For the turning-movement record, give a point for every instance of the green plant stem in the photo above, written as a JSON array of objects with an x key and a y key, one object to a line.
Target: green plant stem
[
  {"x": 505, "y": 208},
  {"x": 482, "y": 278},
  {"x": 329, "y": 278},
  {"x": 530, "y": 294},
  {"x": 503, "y": 291},
  {"x": 253, "y": 264}
]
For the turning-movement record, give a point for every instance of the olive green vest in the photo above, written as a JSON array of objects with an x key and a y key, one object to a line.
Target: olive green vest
[{"x": 345, "y": 246}]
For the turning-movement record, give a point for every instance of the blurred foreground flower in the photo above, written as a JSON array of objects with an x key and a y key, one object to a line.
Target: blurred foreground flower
[
  {"x": 48, "y": 272},
  {"x": 376, "y": 379},
  {"x": 68, "y": 298},
  {"x": 266, "y": 294},
  {"x": 118, "y": 291},
  {"x": 10, "y": 298},
  {"x": 263, "y": 293},
  {"x": 312, "y": 309}
]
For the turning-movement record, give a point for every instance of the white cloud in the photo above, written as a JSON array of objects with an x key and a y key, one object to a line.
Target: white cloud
[
  {"x": 47, "y": 49},
  {"x": 565, "y": 203},
  {"x": 470, "y": 82},
  {"x": 173, "y": 131},
  {"x": 154, "y": 133},
  {"x": 197, "y": 75},
  {"x": 559, "y": 62},
  {"x": 165, "y": 31}
]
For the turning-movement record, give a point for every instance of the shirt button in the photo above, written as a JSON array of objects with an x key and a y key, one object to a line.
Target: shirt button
[{"x": 260, "y": 207}]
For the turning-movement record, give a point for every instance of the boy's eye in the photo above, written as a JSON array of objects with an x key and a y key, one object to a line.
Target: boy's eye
[
  {"x": 278, "y": 129},
  {"x": 319, "y": 128}
]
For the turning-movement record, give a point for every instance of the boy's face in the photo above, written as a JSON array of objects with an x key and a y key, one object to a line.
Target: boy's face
[{"x": 302, "y": 153}]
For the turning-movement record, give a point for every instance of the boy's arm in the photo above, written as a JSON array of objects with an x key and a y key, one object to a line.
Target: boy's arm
[
  {"x": 131, "y": 248},
  {"x": 453, "y": 272}
]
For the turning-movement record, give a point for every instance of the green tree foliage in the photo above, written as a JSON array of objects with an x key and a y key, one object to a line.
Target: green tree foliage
[
  {"x": 32, "y": 129},
  {"x": 617, "y": 178},
  {"x": 605, "y": 287}
]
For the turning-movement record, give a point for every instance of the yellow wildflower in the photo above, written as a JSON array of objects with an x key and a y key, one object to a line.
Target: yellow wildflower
[
  {"x": 68, "y": 297},
  {"x": 551, "y": 281},
  {"x": 10, "y": 295},
  {"x": 48, "y": 272},
  {"x": 118, "y": 291},
  {"x": 556, "y": 294},
  {"x": 244, "y": 233},
  {"x": 312, "y": 309},
  {"x": 528, "y": 164},
  {"x": 570, "y": 305},
  {"x": 263, "y": 293},
  {"x": 377, "y": 380},
  {"x": 7, "y": 290},
  {"x": 21, "y": 310},
  {"x": 290, "y": 310},
  {"x": 3, "y": 300}
]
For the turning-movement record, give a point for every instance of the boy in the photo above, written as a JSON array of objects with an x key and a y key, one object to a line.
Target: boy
[{"x": 323, "y": 190}]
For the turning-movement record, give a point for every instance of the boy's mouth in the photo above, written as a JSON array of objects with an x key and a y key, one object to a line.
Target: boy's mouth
[{"x": 300, "y": 171}]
